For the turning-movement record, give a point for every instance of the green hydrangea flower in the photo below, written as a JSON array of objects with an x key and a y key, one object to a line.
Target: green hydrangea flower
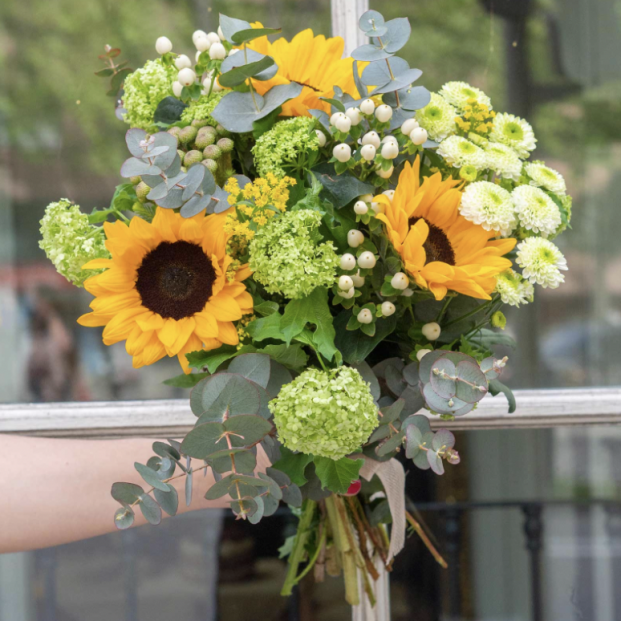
[
  {"x": 144, "y": 89},
  {"x": 282, "y": 145},
  {"x": 201, "y": 109},
  {"x": 287, "y": 258},
  {"x": 69, "y": 241},
  {"x": 328, "y": 414}
]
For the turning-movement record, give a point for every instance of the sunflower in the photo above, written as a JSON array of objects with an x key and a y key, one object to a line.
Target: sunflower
[
  {"x": 166, "y": 290},
  {"x": 439, "y": 248},
  {"x": 313, "y": 62}
]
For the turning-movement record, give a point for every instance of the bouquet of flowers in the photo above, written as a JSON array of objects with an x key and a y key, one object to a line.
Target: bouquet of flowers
[{"x": 326, "y": 248}]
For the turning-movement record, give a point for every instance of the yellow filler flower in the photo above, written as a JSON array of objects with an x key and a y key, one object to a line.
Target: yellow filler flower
[
  {"x": 439, "y": 248},
  {"x": 312, "y": 61},
  {"x": 166, "y": 290}
]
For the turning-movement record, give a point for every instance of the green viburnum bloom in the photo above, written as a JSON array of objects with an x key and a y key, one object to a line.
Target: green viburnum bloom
[
  {"x": 287, "y": 258},
  {"x": 437, "y": 117},
  {"x": 327, "y": 414},
  {"x": 144, "y": 89},
  {"x": 281, "y": 146},
  {"x": 513, "y": 289},
  {"x": 201, "y": 109},
  {"x": 69, "y": 241}
]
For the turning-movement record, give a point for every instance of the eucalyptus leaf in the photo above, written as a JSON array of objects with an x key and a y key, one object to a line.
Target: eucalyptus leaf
[
  {"x": 372, "y": 24},
  {"x": 236, "y": 77},
  {"x": 342, "y": 189},
  {"x": 192, "y": 181},
  {"x": 255, "y": 518},
  {"x": 435, "y": 462},
  {"x": 397, "y": 35},
  {"x": 247, "y": 429},
  {"x": 255, "y": 367},
  {"x": 189, "y": 480},
  {"x": 133, "y": 138},
  {"x": 250, "y": 34},
  {"x": 223, "y": 395},
  {"x": 150, "y": 509},
  {"x": 368, "y": 376},
  {"x": 234, "y": 61},
  {"x": 126, "y": 493},
  {"x": 470, "y": 373},
  {"x": 370, "y": 53},
  {"x": 134, "y": 167},
  {"x": 401, "y": 81},
  {"x": 196, "y": 204},
  {"x": 173, "y": 200},
  {"x": 123, "y": 518},
  {"x": 443, "y": 386},
  {"x": 231, "y": 25},
  {"x": 390, "y": 444},
  {"x": 378, "y": 74},
  {"x": 169, "y": 501},
  {"x": 322, "y": 117},
  {"x": 203, "y": 440}
]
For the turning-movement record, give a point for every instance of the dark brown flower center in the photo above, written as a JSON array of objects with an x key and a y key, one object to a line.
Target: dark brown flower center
[
  {"x": 437, "y": 246},
  {"x": 175, "y": 280}
]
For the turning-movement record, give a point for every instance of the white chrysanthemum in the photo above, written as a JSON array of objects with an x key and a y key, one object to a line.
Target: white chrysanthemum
[
  {"x": 541, "y": 262},
  {"x": 514, "y": 132},
  {"x": 513, "y": 289},
  {"x": 437, "y": 118},
  {"x": 503, "y": 160},
  {"x": 545, "y": 177},
  {"x": 490, "y": 206},
  {"x": 458, "y": 94},
  {"x": 458, "y": 152},
  {"x": 535, "y": 210}
]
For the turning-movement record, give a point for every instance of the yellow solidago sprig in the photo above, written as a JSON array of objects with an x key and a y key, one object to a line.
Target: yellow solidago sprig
[
  {"x": 255, "y": 204},
  {"x": 477, "y": 118}
]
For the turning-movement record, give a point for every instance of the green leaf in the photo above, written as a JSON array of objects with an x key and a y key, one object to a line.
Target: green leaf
[
  {"x": 390, "y": 444},
  {"x": 245, "y": 460},
  {"x": 222, "y": 395},
  {"x": 266, "y": 308},
  {"x": 169, "y": 110},
  {"x": 356, "y": 346},
  {"x": 188, "y": 488},
  {"x": 150, "y": 509},
  {"x": 469, "y": 371},
  {"x": 414, "y": 438},
  {"x": 166, "y": 450},
  {"x": 169, "y": 501},
  {"x": 150, "y": 476},
  {"x": 250, "y": 34},
  {"x": 219, "y": 489},
  {"x": 239, "y": 75},
  {"x": 231, "y": 25},
  {"x": 337, "y": 475},
  {"x": 126, "y": 493},
  {"x": 254, "y": 367},
  {"x": 124, "y": 197},
  {"x": 312, "y": 309},
  {"x": 255, "y": 518},
  {"x": 291, "y": 356},
  {"x": 185, "y": 381},
  {"x": 123, "y": 518},
  {"x": 266, "y": 328},
  {"x": 211, "y": 359},
  {"x": 204, "y": 440},
  {"x": 293, "y": 465},
  {"x": 486, "y": 338},
  {"x": 342, "y": 189},
  {"x": 496, "y": 387},
  {"x": 248, "y": 429}
]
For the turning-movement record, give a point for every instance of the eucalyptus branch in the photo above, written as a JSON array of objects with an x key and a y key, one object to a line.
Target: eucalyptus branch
[
  {"x": 392, "y": 75},
  {"x": 425, "y": 539},
  {"x": 254, "y": 99}
]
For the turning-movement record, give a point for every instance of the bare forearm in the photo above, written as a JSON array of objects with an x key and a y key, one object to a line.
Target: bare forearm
[{"x": 56, "y": 491}]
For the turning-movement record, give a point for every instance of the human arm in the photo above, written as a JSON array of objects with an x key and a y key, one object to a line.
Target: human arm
[{"x": 56, "y": 491}]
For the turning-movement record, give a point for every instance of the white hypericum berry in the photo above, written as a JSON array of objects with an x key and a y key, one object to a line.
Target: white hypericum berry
[
  {"x": 360, "y": 207},
  {"x": 345, "y": 283},
  {"x": 431, "y": 331},
  {"x": 421, "y": 353},
  {"x": 408, "y": 126},
  {"x": 234, "y": 51},
  {"x": 197, "y": 56},
  {"x": 221, "y": 34},
  {"x": 390, "y": 150},
  {"x": 348, "y": 261},
  {"x": 358, "y": 280},
  {"x": 390, "y": 194},
  {"x": 348, "y": 294},
  {"x": 368, "y": 152},
  {"x": 186, "y": 76},
  {"x": 197, "y": 34},
  {"x": 388, "y": 309},
  {"x": 213, "y": 37},
  {"x": 371, "y": 138},
  {"x": 367, "y": 106},
  {"x": 354, "y": 238},
  {"x": 385, "y": 174},
  {"x": 217, "y": 51},
  {"x": 207, "y": 85},
  {"x": 389, "y": 139},
  {"x": 407, "y": 292},
  {"x": 343, "y": 124},
  {"x": 354, "y": 115},
  {"x": 201, "y": 42},
  {"x": 365, "y": 316},
  {"x": 367, "y": 198},
  {"x": 383, "y": 113},
  {"x": 163, "y": 45},
  {"x": 342, "y": 152},
  {"x": 377, "y": 208},
  {"x": 367, "y": 260},
  {"x": 182, "y": 62},
  {"x": 418, "y": 135},
  {"x": 177, "y": 88},
  {"x": 321, "y": 137},
  {"x": 400, "y": 281},
  {"x": 335, "y": 117}
]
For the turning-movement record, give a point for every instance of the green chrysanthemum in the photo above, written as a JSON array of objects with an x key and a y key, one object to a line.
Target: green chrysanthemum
[
  {"x": 513, "y": 289},
  {"x": 278, "y": 150},
  {"x": 287, "y": 258},
  {"x": 545, "y": 177},
  {"x": 437, "y": 117},
  {"x": 458, "y": 94},
  {"x": 144, "y": 89},
  {"x": 536, "y": 211},
  {"x": 490, "y": 206},
  {"x": 503, "y": 160},
  {"x": 201, "y": 109},
  {"x": 459, "y": 152},
  {"x": 541, "y": 262},
  {"x": 69, "y": 241},
  {"x": 514, "y": 132},
  {"x": 328, "y": 414}
]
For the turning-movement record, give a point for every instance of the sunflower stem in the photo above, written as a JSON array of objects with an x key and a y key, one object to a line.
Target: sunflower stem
[
  {"x": 444, "y": 307},
  {"x": 474, "y": 311}
]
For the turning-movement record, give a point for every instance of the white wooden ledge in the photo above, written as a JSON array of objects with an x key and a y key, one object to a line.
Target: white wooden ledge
[{"x": 536, "y": 408}]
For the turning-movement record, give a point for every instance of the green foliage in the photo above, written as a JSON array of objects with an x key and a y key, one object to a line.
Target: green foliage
[
  {"x": 337, "y": 475},
  {"x": 293, "y": 465}
]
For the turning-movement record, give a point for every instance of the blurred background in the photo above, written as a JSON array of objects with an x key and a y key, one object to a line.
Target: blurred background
[{"x": 529, "y": 520}]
